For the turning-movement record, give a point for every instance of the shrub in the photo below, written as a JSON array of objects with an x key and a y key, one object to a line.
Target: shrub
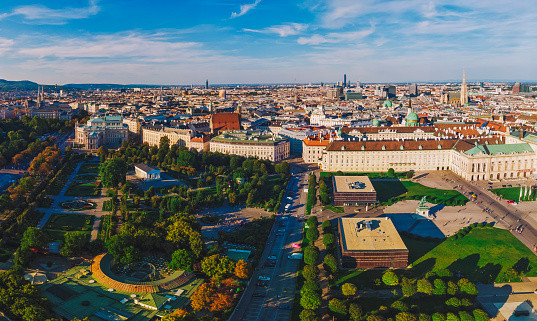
[
  {"x": 308, "y": 315},
  {"x": 390, "y": 278},
  {"x": 310, "y": 272},
  {"x": 355, "y": 312},
  {"x": 310, "y": 300},
  {"x": 400, "y": 306},
  {"x": 331, "y": 263},
  {"x": 348, "y": 289},
  {"x": 311, "y": 254},
  {"x": 338, "y": 306},
  {"x": 405, "y": 316}
]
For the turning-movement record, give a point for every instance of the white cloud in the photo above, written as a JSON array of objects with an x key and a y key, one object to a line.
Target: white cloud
[
  {"x": 291, "y": 29},
  {"x": 244, "y": 9},
  {"x": 38, "y": 14},
  {"x": 336, "y": 37},
  {"x": 6, "y": 45}
]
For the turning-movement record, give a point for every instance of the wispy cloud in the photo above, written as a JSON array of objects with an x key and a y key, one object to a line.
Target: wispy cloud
[
  {"x": 5, "y": 45},
  {"x": 336, "y": 37},
  {"x": 38, "y": 14},
  {"x": 285, "y": 30},
  {"x": 244, "y": 9}
]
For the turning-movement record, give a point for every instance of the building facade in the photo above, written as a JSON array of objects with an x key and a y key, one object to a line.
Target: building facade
[
  {"x": 152, "y": 135},
  {"x": 250, "y": 144},
  {"x": 108, "y": 131}
]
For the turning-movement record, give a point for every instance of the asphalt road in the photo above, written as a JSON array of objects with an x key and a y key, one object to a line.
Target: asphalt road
[
  {"x": 274, "y": 302},
  {"x": 500, "y": 211}
]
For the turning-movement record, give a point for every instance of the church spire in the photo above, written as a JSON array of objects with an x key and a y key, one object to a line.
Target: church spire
[{"x": 464, "y": 89}]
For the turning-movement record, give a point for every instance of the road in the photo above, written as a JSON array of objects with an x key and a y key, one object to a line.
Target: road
[
  {"x": 62, "y": 140},
  {"x": 502, "y": 212},
  {"x": 274, "y": 302}
]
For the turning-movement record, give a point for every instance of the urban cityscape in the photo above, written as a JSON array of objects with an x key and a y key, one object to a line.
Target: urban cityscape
[{"x": 209, "y": 163}]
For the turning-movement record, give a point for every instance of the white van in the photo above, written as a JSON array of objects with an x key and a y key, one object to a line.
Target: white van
[{"x": 296, "y": 256}]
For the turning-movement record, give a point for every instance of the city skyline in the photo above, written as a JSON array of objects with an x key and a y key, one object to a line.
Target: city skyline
[{"x": 261, "y": 42}]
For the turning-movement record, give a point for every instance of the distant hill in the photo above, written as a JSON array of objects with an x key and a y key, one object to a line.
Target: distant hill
[
  {"x": 23, "y": 85},
  {"x": 108, "y": 86}
]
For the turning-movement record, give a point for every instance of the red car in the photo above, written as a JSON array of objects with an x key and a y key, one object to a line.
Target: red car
[{"x": 510, "y": 201}]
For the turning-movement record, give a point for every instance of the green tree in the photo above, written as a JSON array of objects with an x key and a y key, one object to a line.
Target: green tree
[
  {"x": 408, "y": 287},
  {"x": 467, "y": 287},
  {"x": 328, "y": 240},
  {"x": 310, "y": 272},
  {"x": 465, "y": 316},
  {"x": 452, "y": 288},
  {"x": 113, "y": 172},
  {"x": 480, "y": 315},
  {"x": 439, "y": 287},
  {"x": 310, "y": 286},
  {"x": 400, "y": 306},
  {"x": 390, "y": 278},
  {"x": 308, "y": 315},
  {"x": 348, "y": 289},
  {"x": 33, "y": 237},
  {"x": 424, "y": 317},
  {"x": 311, "y": 254},
  {"x": 375, "y": 317},
  {"x": 452, "y": 317},
  {"x": 454, "y": 302},
  {"x": 425, "y": 286},
  {"x": 391, "y": 172},
  {"x": 338, "y": 306},
  {"x": 439, "y": 317},
  {"x": 312, "y": 234},
  {"x": 327, "y": 226},
  {"x": 331, "y": 263},
  {"x": 310, "y": 300},
  {"x": 405, "y": 316},
  {"x": 355, "y": 312},
  {"x": 181, "y": 260},
  {"x": 74, "y": 243},
  {"x": 209, "y": 265}
]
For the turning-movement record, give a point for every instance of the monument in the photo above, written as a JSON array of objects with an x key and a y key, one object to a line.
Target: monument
[{"x": 423, "y": 210}]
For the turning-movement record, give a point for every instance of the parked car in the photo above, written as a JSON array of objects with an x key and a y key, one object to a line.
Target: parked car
[
  {"x": 296, "y": 256},
  {"x": 296, "y": 245}
]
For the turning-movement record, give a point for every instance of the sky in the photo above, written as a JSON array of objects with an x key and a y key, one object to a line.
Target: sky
[{"x": 266, "y": 41}]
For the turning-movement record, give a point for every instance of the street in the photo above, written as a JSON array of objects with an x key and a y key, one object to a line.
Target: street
[{"x": 275, "y": 301}]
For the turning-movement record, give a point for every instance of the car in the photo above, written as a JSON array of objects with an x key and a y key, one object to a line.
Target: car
[
  {"x": 259, "y": 294},
  {"x": 295, "y": 256},
  {"x": 285, "y": 307},
  {"x": 510, "y": 201},
  {"x": 289, "y": 198},
  {"x": 296, "y": 245},
  {"x": 272, "y": 257},
  {"x": 263, "y": 280}
]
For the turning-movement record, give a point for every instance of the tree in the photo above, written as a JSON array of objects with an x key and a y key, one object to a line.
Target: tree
[
  {"x": 310, "y": 300},
  {"x": 74, "y": 243},
  {"x": 400, "y": 306},
  {"x": 308, "y": 315},
  {"x": 326, "y": 226},
  {"x": 452, "y": 288},
  {"x": 439, "y": 287},
  {"x": 113, "y": 172},
  {"x": 375, "y": 317},
  {"x": 282, "y": 168},
  {"x": 102, "y": 152},
  {"x": 181, "y": 260},
  {"x": 312, "y": 234},
  {"x": 331, "y": 263},
  {"x": 391, "y": 172},
  {"x": 311, "y": 254},
  {"x": 202, "y": 297},
  {"x": 196, "y": 243},
  {"x": 408, "y": 287},
  {"x": 328, "y": 240},
  {"x": 424, "y": 286},
  {"x": 424, "y": 317},
  {"x": 454, "y": 302},
  {"x": 348, "y": 289},
  {"x": 390, "y": 278},
  {"x": 452, "y": 317},
  {"x": 355, "y": 312},
  {"x": 226, "y": 266},
  {"x": 310, "y": 286},
  {"x": 221, "y": 302},
  {"x": 242, "y": 270},
  {"x": 405, "y": 316},
  {"x": 310, "y": 272},
  {"x": 480, "y": 315},
  {"x": 33, "y": 237},
  {"x": 437, "y": 316},
  {"x": 467, "y": 287},
  {"x": 338, "y": 306},
  {"x": 209, "y": 265},
  {"x": 312, "y": 222},
  {"x": 465, "y": 316}
]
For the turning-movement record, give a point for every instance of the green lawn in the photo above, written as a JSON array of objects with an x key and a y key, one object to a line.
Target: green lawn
[
  {"x": 393, "y": 191},
  {"x": 59, "y": 224},
  {"x": 335, "y": 209},
  {"x": 90, "y": 177},
  {"x": 511, "y": 193},
  {"x": 82, "y": 189},
  {"x": 483, "y": 255},
  {"x": 89, "y": 168}
]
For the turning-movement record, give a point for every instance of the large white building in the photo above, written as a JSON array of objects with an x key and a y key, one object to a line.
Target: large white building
[
  {"x": 108, "y": 131},
  {"x": 152, "y": 135},
  {"x": 251, "y": 144}
]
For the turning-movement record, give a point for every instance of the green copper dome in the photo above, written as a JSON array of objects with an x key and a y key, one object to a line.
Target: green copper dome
[
  {"x": 376, "y": 122},
  {"x": 387, "y": 103},
  {"x": 412, "y": 117}
]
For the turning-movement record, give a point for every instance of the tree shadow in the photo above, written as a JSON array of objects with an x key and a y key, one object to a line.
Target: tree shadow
[
  {"x": 487, "y": 273},
  {"x": 465, "y": 267},
  {"x": 424, "y": 266},
  {"x": 522, "y": 265}
]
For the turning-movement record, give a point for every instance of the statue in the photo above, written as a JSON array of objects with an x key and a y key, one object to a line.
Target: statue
[{"x": 423, "y": 210}]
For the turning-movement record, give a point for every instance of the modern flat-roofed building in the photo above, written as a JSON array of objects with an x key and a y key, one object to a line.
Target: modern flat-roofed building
[
  {"x": 368, "y": 243},
  {"x": 353, "y": 190},
  {"x": 146, "y": 172}
]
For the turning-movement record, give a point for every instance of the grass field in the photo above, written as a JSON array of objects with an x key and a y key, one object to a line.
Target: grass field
[
  {"x": 483, "y": 255},
  {"x": 511, "y": 193},
  {"x": 82, "y": 189},
  {"x": 90, "y": 177},
  {"x": 59, "y": 224},
  {"x": 89, "y": 168},
  {"x": 392, "y": 191}
]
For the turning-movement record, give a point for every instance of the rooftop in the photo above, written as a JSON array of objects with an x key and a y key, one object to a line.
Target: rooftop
[
  {"x": 352, "y": 184},
  {"x": 369, "y": 234}
]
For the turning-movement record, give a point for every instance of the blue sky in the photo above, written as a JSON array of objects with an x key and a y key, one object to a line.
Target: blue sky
[{"x": 266, "y": 41}]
